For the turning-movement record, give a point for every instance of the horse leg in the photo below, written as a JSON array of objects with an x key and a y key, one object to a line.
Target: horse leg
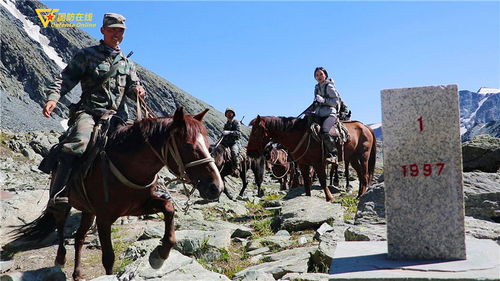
[
  {"x": 108, "y": 255},
  {"x": 364, "y": 173},
  {"x": 60, "y": 216},
  {"x": 305, "y": 169},
  {"x": 362, "y": 181},
  {"x": 162, "y": 251},
  {"x": 85, "y": 224},
  {"x": 321, "y": 173},
  {"x": 346, "y": 175},
  {"x": 258, "y": 171}
]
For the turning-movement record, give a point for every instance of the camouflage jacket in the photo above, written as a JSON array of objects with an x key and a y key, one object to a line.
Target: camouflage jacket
[
  {"x": 235, "y": 135},
  {"x": 89, "y": 66}
]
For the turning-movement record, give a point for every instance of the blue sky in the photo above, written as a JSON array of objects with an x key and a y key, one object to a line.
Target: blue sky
[{"x": 259, "y": 57}]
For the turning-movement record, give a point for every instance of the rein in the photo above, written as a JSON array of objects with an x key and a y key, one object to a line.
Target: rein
[
  {"x": 274, "y": 164},
  {"x": 183, "y": 177},
  {"x": 308, "y": 136}
]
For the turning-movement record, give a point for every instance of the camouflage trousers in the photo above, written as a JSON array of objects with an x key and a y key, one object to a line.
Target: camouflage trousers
[{"x": 78, "y": 135}]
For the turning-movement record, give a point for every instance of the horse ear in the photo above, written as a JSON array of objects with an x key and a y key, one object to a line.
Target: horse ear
[
  {"x": 179, "y": 117},
  {"x": 255, "y": 121},
  {"x": 200, "y": 115}
]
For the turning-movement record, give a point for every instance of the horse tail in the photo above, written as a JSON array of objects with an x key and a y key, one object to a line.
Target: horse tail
[
  {"x": 373, "y": 157},
  {"x": 41, "y": 227}
]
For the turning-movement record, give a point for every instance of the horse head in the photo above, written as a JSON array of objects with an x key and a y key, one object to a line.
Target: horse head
[
  {"x": 194, "y": 161},
  {"x": 258, "y": 138}
]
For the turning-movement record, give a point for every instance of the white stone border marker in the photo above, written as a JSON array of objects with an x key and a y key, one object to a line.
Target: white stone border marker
[{"x": 423, "y": 173}]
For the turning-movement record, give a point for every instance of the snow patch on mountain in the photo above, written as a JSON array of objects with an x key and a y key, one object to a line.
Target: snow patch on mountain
[{"x": 33, "y": 31}]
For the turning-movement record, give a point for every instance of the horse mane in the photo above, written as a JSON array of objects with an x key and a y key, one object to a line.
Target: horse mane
[
  {"x": 280, "y": 123},
  {"x": 129, "y": 138}
]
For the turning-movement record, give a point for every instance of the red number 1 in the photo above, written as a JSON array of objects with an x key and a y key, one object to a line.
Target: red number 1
[{"x": 421, "y": 123}]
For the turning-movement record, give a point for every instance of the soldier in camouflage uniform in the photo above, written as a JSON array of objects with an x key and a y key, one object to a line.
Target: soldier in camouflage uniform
[
  {"x": 231, "y": 137},
  {"x": 107, "y": 78}
]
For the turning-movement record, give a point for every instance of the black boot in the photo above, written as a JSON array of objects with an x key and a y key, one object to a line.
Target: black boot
[
  {"x": 58, "y": 193},
  {"x": 330, "y": 146}
]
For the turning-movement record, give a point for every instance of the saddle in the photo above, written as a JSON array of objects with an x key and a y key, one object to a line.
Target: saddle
[
  {"x": 339, "y": 133},
  {"x": 97, "y": 143}
]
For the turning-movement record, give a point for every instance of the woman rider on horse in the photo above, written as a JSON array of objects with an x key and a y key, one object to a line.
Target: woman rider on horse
[{"x": 326, "y": 105}]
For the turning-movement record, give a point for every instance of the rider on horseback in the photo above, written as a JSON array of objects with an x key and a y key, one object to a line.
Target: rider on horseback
[
  {"x": 107, "y": 77},
  {"x": 325, "y": 106},
  {"x": 231, "y": 138}
]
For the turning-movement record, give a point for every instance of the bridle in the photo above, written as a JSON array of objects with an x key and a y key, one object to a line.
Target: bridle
[
  {"x": 170, "y": 147},
  {"x": 182, "y": 176}
]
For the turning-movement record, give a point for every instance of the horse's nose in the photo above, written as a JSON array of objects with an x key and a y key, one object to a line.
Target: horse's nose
[{"x": 209, "y": 191}]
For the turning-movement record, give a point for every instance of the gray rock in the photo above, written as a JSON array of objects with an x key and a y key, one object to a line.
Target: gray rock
[
  {"x": 6, "y": 266},
  {"x": 176, "y": 267},
  {"x": 44, "y": 274},
  {"x": 371, "y": 206},
  {"x": 481, "y": 153},
  {"x": 306, "y": 212},
  {"x": 303, "y": 240},
  {"x": 306, "y": 277},
  {"x": 325, "y": 227},
  {"x": 482, "y": 229},
  {"x": 233, "y": 208},
  {"x": 258, "y": 276},
  {"x": 106, "y": 278},
  {"x": 275, "y": 242},
  {"x": 242, "y": 232},
  {"x": 366, "y": 232},
  {"x": 196, "y": 241},
  {"x": 259, "y": 251},
  {"x": 281, "y": 263},
  {"x": 482, "y": 195},
  {"x": 282, "y": 232},
  {"x": 151, "y": 232}
]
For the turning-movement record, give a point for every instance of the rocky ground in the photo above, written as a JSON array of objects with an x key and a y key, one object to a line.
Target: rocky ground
[{"x": 271, "y": 238}]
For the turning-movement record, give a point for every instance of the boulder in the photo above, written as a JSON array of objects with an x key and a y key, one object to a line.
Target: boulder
[
  {"x": 176, "y": 267},
  {"x": 44, "y": 274},
  {"x": 482, "y": 195},
  {"x": 306, "y": 277},
  {"x": 371, "y": 206},
  {"x": 306, "y": 212},
  {"x": 198, "y": 241},
  {"x": 482, "y": 229},
  {"x": 366, "y": 232},
  {"x": 281, "y": 263},
  {"x": 481, "y": 153}
]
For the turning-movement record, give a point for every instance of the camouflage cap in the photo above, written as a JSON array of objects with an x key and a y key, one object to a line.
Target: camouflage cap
[
  {"x": 113, "y": 20},
  {"x": 229, "y": 109}
]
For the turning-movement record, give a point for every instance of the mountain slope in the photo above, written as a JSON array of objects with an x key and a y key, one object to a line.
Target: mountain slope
[{"x": 30, "y": 56}]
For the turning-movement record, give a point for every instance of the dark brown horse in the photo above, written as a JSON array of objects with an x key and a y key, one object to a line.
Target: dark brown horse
[
  {"x": 222, "y": 157},
  {"x": 137, "y": 152},
  {"x": 279, "y": 164},
  {"x": 294, "y": 135}
]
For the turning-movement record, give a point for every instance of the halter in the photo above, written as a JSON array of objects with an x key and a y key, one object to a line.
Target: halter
[{"x": 169, "y": 146}]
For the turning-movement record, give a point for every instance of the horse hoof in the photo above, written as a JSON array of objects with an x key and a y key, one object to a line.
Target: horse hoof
[{"x": 155, "y": 261}]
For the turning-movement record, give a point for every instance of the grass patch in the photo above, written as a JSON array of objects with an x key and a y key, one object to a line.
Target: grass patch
[
  {"x": 350, "y": 203},
  {"x": 263, "y": 227},
  {"x": 119, "y": 247},
  {"x": 229, "y": 263},
  {"x": 273, "y": 197}
]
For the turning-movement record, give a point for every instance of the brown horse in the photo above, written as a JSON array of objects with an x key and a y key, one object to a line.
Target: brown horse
[
  {"x": 294, "y": 135},
  {"x": 138, "y": 152},
  {"x": 222, "y": 157}
]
